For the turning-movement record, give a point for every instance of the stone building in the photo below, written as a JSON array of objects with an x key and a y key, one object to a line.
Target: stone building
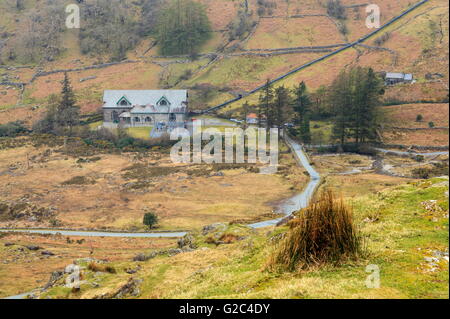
[
  {"x": 131, "y": 108},
  {"x": 392, "y": 78}
]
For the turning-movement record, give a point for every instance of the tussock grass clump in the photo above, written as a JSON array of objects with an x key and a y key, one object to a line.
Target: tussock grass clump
[
  {"x": 79, "y": 180},
  {"x": 323, "y": 233},
  {"x": 144, "y": 171},
  {"x": 101, "y": 268}
]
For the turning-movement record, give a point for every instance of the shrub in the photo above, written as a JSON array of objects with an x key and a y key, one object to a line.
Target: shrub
[
  {"x": 101, "y": 268},
  {"x": 191, "y": 30},
  {"x": 108, "y": 28},
  {"x": 12, "y": 129},
  {"x": 419, "y": 158},
  {"x": 431, "y": 124},
  {"x": 242, "y": 25},
  {"x": 79, "y": 180},
  {"x": 419, "y": 118},
  {"x": 438, "y": 169},
  {"x": 323, "y": 233},
  {"x": 382, "y": 39},
  {"x": 150, "y": 219},
  {"x": 336, "y": 9}
]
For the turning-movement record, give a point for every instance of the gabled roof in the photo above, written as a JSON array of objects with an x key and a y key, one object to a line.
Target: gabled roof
[
  {"x": 123, "y": 98},
  {"x": 393, "y": 75},
  {"x": 401, "y": 76},
  {"x": 408, "y": 77},
  {"x": 176, "y": 98},
  {"x": 163, "y": 98}
]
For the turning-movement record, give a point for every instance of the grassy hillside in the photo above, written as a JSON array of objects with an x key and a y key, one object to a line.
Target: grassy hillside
[
  {"x": 418, "y": 43},
  {"x": 406, "y": 235}
]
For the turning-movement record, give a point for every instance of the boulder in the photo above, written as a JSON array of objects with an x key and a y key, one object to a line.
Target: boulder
[
  {"x": 218, "y": 174},
  {"x": 213, "y": 227},
  {"x": 54, "y": 277},
  {"x": 186, "y": 241},
  {"x": 131, "y": 288},
  {"x": 174, "y": 251},
  {"x": 144, "y": 257},
  {"x": 33, "y": 247}
]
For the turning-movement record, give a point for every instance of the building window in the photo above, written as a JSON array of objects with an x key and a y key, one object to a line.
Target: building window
[
  {"x": 137, "y": 119},
  {"x": 163, "y": 102},
  {"x": 124, "y": 103},
  {"x": 148, "y": 119},
  {"x": 115, "y": 116},
  {"x": 172, "y": 117}
]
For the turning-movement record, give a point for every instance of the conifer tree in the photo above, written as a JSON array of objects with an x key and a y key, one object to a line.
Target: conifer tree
[
  {"x": 301, "y": 106},
  {"x": 282, "y": 100},
  {"x": 266, "y": 105},
  {"x": 67, "y": 112}
]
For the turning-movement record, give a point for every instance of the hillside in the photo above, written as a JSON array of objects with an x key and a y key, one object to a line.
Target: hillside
[
  {"x": 224, "y": 67},
  {"x": 358, "y": 175},
  {"x": 406, "y": 235}
]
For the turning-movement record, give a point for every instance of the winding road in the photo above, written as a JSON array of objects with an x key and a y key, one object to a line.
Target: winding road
[
  {"x": 302, "y": 199},
  {"x": 96, "y": 233},
  {"x": 385, "y": 151}
]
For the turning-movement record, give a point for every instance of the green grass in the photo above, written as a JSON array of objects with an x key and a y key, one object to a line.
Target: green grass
[
  {"x": 321, "y": 132},
  {"x": 94, "y": 125},
  {"x": 136, "y": 132},
  {"x": 140, "y": 132},
  {"x": 398, "y": 241},
  {"x": 251, "y": 69}
]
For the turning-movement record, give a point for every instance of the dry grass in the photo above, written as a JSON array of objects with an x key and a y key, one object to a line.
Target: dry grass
[
  {"x": 436, "y": 137},
  {"x": 22, "y": 270},
  {"x": 183, "y": 197},
  {"x": 323, "y": 233},
  {"x": 284, "y": 33},
  {"x": 350, "y": 186},
  {"x": 398, "y": 243},
  {"x": 341, "y": 163},
  {"x": 405, "y": 115}
]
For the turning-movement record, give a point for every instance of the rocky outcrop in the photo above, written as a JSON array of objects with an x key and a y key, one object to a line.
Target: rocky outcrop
[
  {"x": 131, "y": 288},
  {"x": 54, "y": 277},
  {"x": 186, "y": 241},
  {"x": 24, "y": 210},
  {"x": 213, "y": 228}
]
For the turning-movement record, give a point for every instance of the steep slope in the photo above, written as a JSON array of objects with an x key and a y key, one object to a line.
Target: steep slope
[{"x": 226, "y": 67}]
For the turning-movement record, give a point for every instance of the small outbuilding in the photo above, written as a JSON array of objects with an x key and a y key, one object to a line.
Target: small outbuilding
[
  {"x": 252, "y": 118},
  {"x": 393, "y": 78}
]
